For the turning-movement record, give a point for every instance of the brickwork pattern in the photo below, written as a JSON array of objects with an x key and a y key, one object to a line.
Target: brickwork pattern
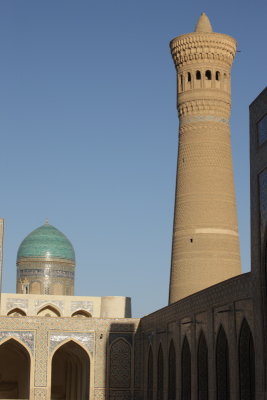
[
  {"x": 205, "y": 247},
  {"x": 40, "y": 394},
  {"x": 225, "y": 304}
]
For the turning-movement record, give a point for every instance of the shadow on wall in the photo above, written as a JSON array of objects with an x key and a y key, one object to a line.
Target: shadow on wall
[
  {"x": 123, "y": 372},
  {"x": 186, "y": 364}
]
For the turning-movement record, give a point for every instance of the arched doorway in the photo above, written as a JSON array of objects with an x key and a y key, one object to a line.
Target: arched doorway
[
  {"x": 222, "y": 366},
  {"x": 186, "y": 371},
  {"x": 172, "y": 373},
  {"x": 14, "y": 371},
  {"x": 70, "y": 373},
  {"x": 202, "y": 368},
  {"x": 246, "y": 363}
]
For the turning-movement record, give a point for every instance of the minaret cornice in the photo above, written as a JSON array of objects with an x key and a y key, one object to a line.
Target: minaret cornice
[{"x": 198, "y": 47}]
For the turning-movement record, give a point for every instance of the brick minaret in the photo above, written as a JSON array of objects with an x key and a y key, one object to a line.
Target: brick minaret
[{"x": 205, "y": 247}]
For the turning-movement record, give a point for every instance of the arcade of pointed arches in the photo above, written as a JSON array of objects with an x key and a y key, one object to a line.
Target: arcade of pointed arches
[
  {"x": 197, "y": 79},
  {"x": 182, "y": 373},
  {"x": 49, "y": 310}
]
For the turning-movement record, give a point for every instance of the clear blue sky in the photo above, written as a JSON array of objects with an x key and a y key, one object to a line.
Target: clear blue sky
[{"x": 89, "y": 131}]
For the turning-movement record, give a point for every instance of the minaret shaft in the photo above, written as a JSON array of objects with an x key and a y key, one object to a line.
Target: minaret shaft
[{"x": 205, "y": 235}]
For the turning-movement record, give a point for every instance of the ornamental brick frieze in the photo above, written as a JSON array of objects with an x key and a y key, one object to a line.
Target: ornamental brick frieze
[
  {"x": 221, "y": 108},
  {"x": 202, "y": 122},
  {"x": 195, "y": 47}
]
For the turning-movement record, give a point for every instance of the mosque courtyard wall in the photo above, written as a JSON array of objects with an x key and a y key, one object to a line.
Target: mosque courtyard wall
[
  {"x": 105, "y": 342},
  {"x": 228, "y": 307}
]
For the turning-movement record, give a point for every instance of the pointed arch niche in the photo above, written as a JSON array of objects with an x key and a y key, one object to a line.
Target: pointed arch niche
[
  {"x": 14, "y": 371},
  {"x": 160, "y": 374},
  {"x": 172, "y": 372},
  {"x": 70, "y": 373},
  {"x": 186, "y": 371},
  {"x": 246, "y": 357},
  {"x": 16, "y": 312},
  {"x": 150, "y": 380},
  {"x": 202, "y": 368},
  {"x": 120, "y": 364},
  {"x": 81, "y": 314},
  {"x": 222, "y": 366},
  {"x": 48, "y": 311}
]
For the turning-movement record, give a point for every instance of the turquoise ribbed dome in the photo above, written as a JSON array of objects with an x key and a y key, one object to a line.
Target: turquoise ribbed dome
[{"x": 46, "y": 242}]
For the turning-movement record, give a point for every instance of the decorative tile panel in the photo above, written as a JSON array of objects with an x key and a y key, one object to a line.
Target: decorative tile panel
[
  {"x": 100, "y": 394},
  {"x": 16, "y": 303},
  {"x": 26, "y": 337},
  {"x": 100, "y": 365},
  {"x": 58, "y": 303},
  {"x": 22, "y": 273},
  {"x": 83, "y": 305},
  {"x": 41, "y": 357},
  {"x": 86, "y": 339},
  {"x": 40, "y": 394}
]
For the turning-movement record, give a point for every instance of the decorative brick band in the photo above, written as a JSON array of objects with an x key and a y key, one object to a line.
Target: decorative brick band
[
  {"x": 204, "y": 118},
  {"x": 203, "y": 47}
]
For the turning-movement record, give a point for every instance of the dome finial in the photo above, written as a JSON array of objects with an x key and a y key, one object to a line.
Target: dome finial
[
  {"x": 46, "y": 221},
  {"x": 203, "y": 24}
]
